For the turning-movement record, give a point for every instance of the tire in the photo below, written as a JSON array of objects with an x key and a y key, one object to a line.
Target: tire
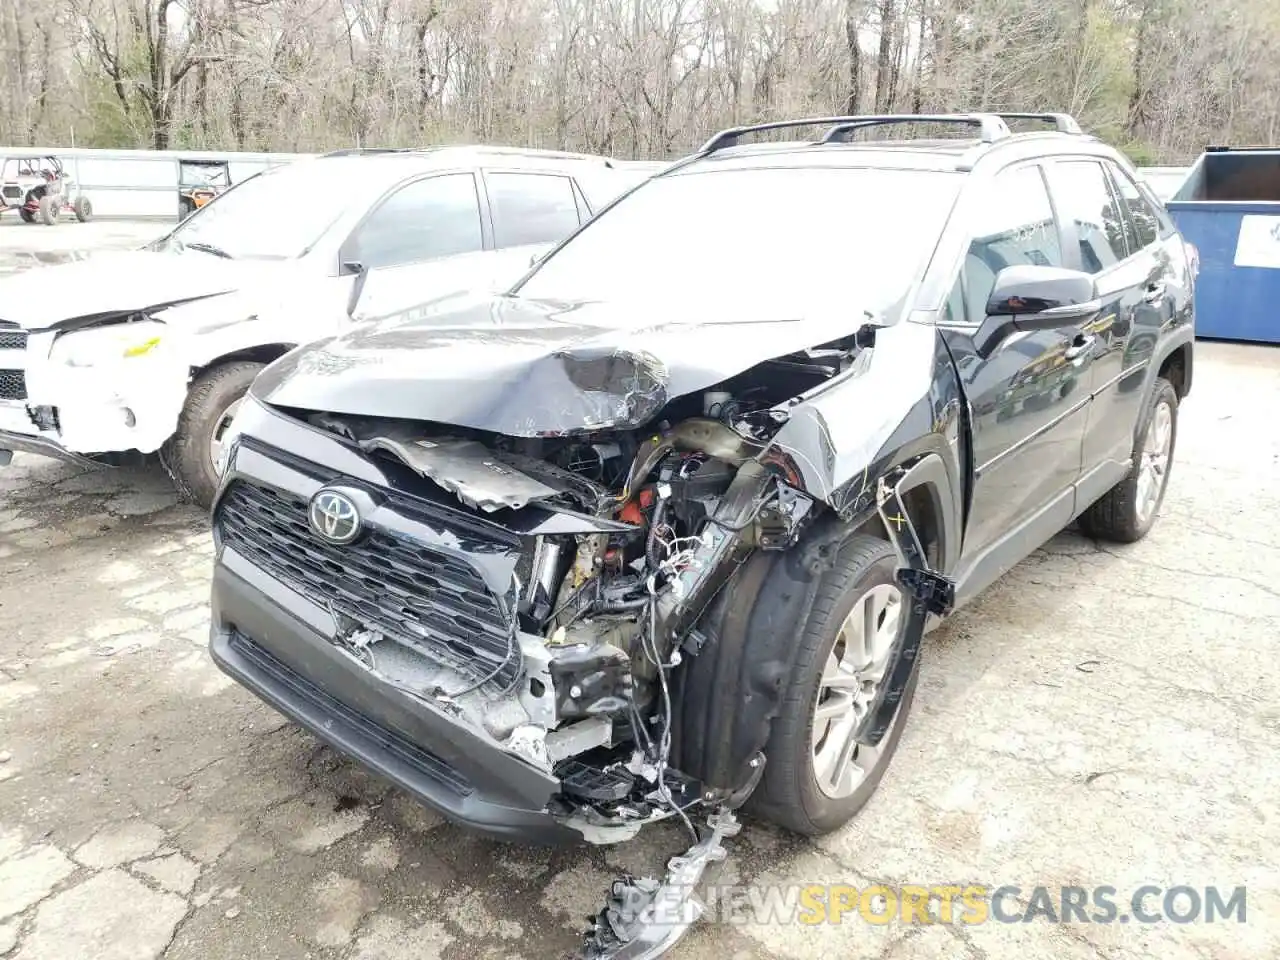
[
  {"x": 789, "y": 794},
  {"x": 187, "y": 454},
  {"x": 26, "y": 215},
  {"x": 185, "y": 208},
  {"x": 756, "y": 681},
  {"x": 1124, "y": 514},
  {"x": 49, "y": 210},
  {"x": 83, "y": 209}
]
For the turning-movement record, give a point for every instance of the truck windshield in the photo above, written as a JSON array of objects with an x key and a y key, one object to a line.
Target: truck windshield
[
  {"x": 276, "y": 215},
  {"x": 755, "y": 241}
]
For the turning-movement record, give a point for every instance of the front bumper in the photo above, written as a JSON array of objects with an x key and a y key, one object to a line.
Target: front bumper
[{"x": 276, "y": 643}]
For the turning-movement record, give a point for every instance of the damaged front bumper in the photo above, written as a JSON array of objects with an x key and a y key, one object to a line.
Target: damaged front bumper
[
  {"x": 12, "y": 442},
  {"x": 276, "y": 643},
  {"x": 294, "y": 622}
]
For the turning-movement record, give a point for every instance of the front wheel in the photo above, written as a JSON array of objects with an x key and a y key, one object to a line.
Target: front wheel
[
  {"x": 817, "y": 775},
  {"x": 50, "y": 207},
  {"x": 191, "y": 454},
  {"x": 1127, "y": 512}
]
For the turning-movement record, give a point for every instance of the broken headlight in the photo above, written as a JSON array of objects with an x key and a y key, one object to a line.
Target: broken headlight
[{"x": 107, "y": 345}]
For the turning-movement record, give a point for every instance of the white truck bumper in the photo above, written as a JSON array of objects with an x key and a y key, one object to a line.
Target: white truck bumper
[{"x": 72, "y": 412}]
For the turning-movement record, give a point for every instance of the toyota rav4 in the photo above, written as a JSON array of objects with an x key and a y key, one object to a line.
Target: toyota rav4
[{"x": 657, "y": 532}]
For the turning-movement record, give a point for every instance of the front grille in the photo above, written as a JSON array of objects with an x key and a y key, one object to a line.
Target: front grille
[
  {"x": 389, "y": 740},
  {"x": 13, "y": 340},
  {"x": 13, "y": 385},
  {"x": 435, "y": 603}
]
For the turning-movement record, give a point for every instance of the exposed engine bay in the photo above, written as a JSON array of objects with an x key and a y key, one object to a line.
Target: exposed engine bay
[{"x": 604, "y": 615}]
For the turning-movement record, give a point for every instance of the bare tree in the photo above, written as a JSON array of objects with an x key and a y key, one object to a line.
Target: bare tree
[{"x": 633, "y": 77}]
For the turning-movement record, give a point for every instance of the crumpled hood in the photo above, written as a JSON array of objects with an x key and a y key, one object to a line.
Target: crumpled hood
[
  {"x": 123, "y": 282},
  {"x": 527, "y": 368}
]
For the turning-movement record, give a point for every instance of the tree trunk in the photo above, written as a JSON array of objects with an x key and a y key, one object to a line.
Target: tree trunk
[
  {"x": 884, "y": 60},
  {"x": 855, "y": 57}
]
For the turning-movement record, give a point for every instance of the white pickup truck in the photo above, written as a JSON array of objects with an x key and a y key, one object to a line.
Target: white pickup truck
[{"x": 150, "y": 350}]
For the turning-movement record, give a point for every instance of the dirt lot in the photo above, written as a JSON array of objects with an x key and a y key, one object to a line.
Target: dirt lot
[{"x": 1102, "y": 716}]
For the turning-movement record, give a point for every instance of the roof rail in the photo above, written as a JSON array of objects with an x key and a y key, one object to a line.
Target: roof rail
[
  {"x": 1063, "y": 122},
  {"x": 365, "y": 151},
  {"x": 990, "y": 126}
]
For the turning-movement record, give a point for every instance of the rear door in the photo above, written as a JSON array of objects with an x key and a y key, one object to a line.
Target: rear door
[
  {"x": 1028, "y": 395},
  {"x": 1159, "y": 263},
  {"x": 530, "y": 208},
  {"x": 1098, "y": 242}
]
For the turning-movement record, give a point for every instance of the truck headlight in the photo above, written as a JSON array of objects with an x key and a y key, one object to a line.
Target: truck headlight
[{"x": 107, "y": 345}]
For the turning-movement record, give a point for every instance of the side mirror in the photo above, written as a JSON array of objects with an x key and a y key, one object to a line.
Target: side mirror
[
  {"x": 1035, "y": 298},
  {"x": 1041, "y": 298},
  {"x": 350, "y": 267}
]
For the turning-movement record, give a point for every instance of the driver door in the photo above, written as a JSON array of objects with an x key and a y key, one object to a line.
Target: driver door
[{"x": 1027, "y": 396}]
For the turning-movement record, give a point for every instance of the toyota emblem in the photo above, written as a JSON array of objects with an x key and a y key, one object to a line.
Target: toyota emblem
[{"x": 334, "y": 517}]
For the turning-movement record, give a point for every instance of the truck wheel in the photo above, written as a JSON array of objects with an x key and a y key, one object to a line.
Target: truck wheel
[
  {"x": 83, "y": 209},
  {"x": 49, "y": 209},
  {"x": 818, "y": 671},
  {"x": 1127, "y": 512},
  {"x": 26, "y": 215},
  {"x": 190, "y": 455}
]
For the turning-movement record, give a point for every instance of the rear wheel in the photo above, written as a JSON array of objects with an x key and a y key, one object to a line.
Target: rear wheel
[
  {"x": 26, "y": 215},
  {"x": 1127, "y": 512},
  {"x": 83, "y": 209},
  {"x": 191, "y": 454}
]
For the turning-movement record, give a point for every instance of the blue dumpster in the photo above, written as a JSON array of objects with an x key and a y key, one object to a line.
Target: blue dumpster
[{"x": 1229, "y": 208}]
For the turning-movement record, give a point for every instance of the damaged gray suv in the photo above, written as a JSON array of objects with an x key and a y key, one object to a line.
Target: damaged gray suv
[{"x": 657, "y": 533}]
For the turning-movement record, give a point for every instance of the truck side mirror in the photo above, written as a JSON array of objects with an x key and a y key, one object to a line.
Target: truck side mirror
[{"x": 350, "y": 267}]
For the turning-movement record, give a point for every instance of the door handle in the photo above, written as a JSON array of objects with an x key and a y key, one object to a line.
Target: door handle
[
  {"x": 1154, "y": 292},
  {"x": 1081, "y": 345}
]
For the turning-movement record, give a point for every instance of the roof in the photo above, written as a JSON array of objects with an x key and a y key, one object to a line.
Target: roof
[{"x": 468, "y": 155}]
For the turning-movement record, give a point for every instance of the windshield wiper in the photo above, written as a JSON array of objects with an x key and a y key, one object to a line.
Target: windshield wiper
[{"x": 208, "y": 248}]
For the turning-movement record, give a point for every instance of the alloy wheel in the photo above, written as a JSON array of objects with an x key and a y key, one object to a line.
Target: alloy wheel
[{"x": 851, "y": 679}]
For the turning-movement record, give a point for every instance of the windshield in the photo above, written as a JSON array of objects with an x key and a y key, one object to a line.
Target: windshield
[
  {"x": 276, "y": 215},
  {"x": 756, "y": 241}
]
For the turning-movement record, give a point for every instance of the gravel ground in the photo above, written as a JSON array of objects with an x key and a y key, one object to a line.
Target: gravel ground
[{"x": 1102, "y": 716}]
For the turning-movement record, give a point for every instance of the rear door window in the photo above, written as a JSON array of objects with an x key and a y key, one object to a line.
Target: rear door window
[
  {"x": 1088, "y": 208},
  {"x": 1144, "y": 222},
  {"x": 531, "y": 208}
]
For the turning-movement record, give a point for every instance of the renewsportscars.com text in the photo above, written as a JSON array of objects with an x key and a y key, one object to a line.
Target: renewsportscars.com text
[{"x": 814, "y": 904}]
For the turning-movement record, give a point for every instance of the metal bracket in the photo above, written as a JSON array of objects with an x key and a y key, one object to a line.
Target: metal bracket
[{"x": 935, "y": 591}]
